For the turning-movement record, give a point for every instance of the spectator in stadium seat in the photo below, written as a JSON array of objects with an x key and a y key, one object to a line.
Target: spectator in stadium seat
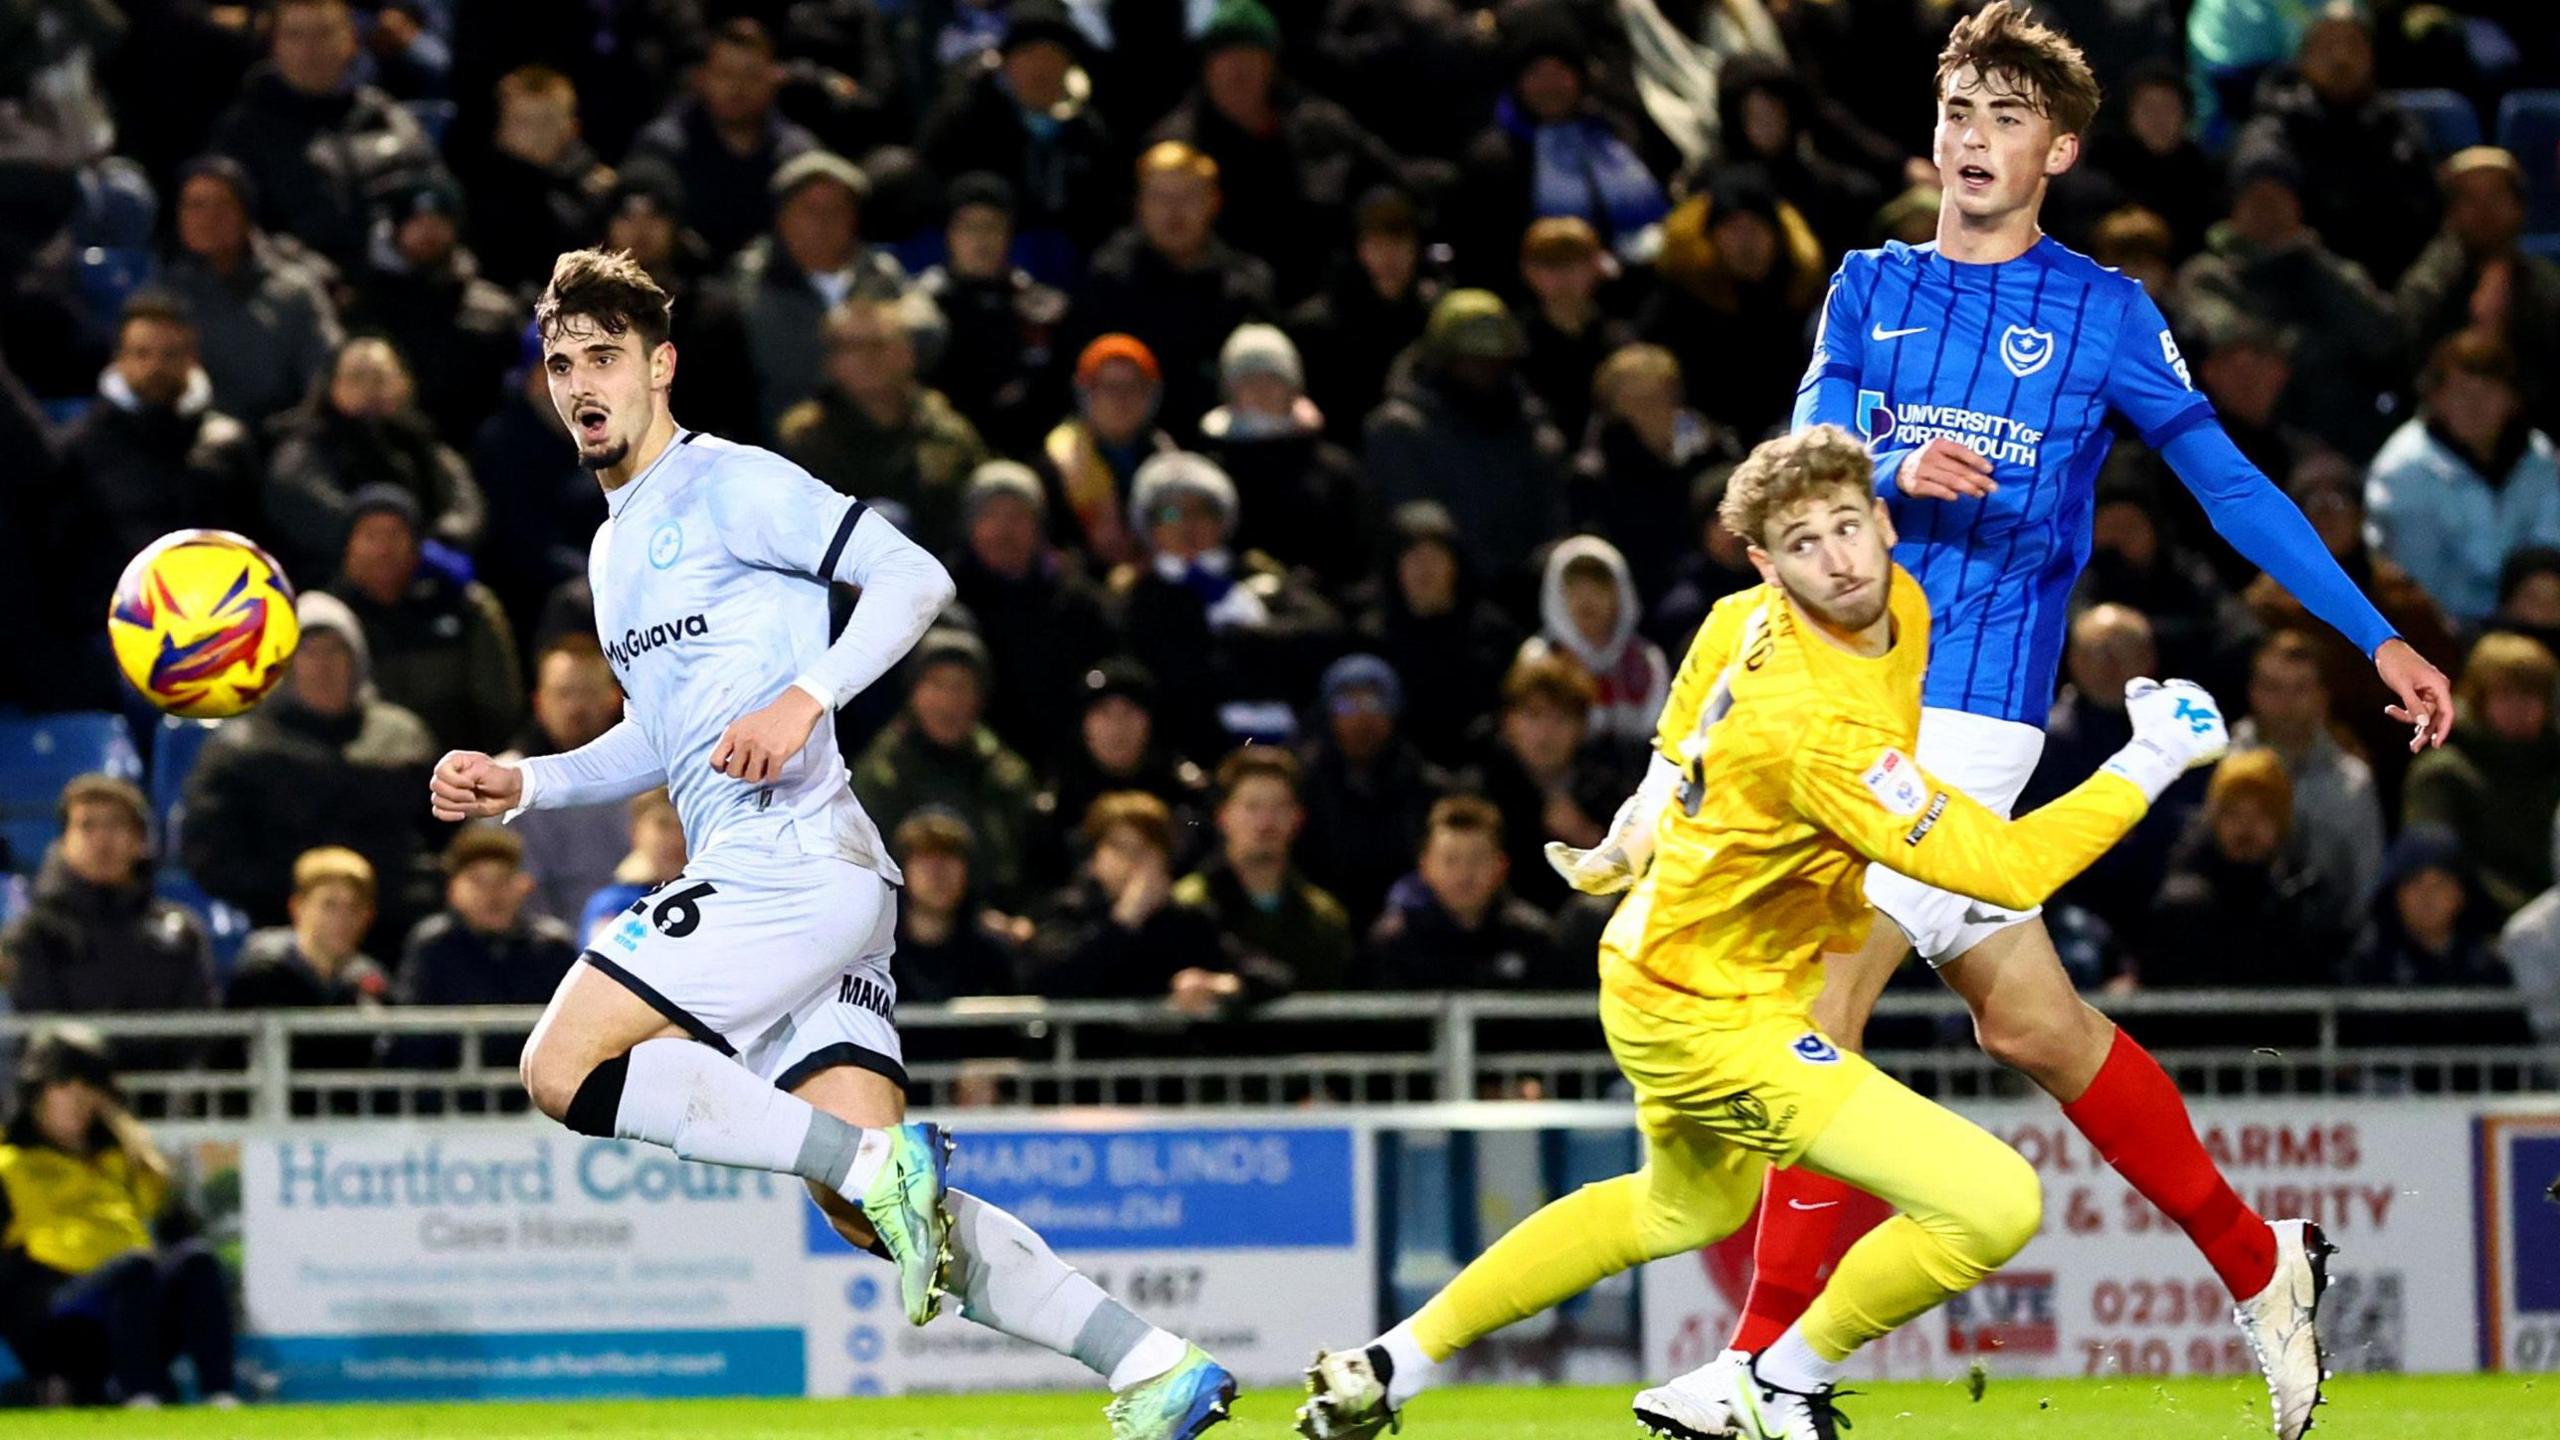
[
  {"x": 1565, "y": 331},
  {"x": 643, "y": 214},
  {"x": 1095, "y": 453},
  {"x": 317, "y": 140},
  {"x": 2529, "y": 595},
  {"x": 1018, "y": 114},
  {"x": 265, "y": 324},
  {"x": 1738, "y": 279},
  {"x": 2154, "y": 160},
  {"x": 1298, "y": 495},
  {"x": 1763, "y": 107},
  {"x": 1459, "y": 426},
  {"x": 1429, "y": 621},
  {"x": 2135, "y": 560},
  {"x": 2427, "y": 925},
  {"x": 656, "y": 857},
  {"x": 2370, "y": 184},
  {"x": 91, "y": 1299},
  {"x": 1253, "y": 889},
  {"x": 1589, "y": 608},
  {"x": 1368, "y": 791},
  {"x": 2337, "y": 817},
  {"x": 1551, "y": 150},
  {"x": 2331, "y": 495},
  {"x": 1537, "y": 772},
  {"x": 2109, "y": 645},
  {"x": 1453, "y": 924},
  {"x": 2266, "y": 261},
  {"x": 2138, "y": 242},
  {"x": 1290, "y": 162},
  {"x": 1373, "y": 305},
  {"x": 93, "y": 939},
  {"x": 876, "y": 432},
  {"x": 1000, "y": 364},
  {"x": 1171, "y": 281},
  {"x": 2476, "y": 274},
  {"x": 487, "y": 946},
  {"x": 1117, "y": 933},
  {"x": 536, "y": 187},
  {"x": 361, "y": 427},
  {"x": 1718, "y": 565},
  {"x": 440, "y": 647},
  {"x": 812, "y": 260},
  {"x": 570, "y": 851},
  {"x": 939, "y": 752},
  {"x": 317, "y": 961},
  {"x": 1118, "y": 744},
  {"x": 420, "y": 287},
  {"x": 2466, "y": 479},
  {"x": 2245, "y": 367},
  {"x": 1247, "y": 635},
  {"x": 2496, "y": 783},
  {"x": 2235, "y": 908},
  {"x": 324, "y": 761},
  {"x": 946, "y": 948},
  {"x": 1641, "y": 462},
  {"x": 154, "y": 456},
  {"x": 1044, "y": 622},
  {"x": 724, "y": 140}
]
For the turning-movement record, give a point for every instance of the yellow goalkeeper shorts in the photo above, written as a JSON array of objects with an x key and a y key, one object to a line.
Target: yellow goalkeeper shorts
[{"x": 1770, "y": 1084}]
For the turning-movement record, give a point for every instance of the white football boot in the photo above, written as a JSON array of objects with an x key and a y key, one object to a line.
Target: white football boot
[
  {"x": 1698, "y": 1405},
  {"x": 2282, "y": 1323}
]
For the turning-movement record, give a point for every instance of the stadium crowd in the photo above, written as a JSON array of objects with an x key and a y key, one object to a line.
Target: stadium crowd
[{"x": 1322, "y": 409}]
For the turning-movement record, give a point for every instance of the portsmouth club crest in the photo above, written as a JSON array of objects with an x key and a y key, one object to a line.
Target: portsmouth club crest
[{"x": 2025, "y": 350}]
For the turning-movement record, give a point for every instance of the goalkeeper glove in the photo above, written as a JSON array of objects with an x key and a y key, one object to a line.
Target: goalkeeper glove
[{"x": 2176, "y": 727}]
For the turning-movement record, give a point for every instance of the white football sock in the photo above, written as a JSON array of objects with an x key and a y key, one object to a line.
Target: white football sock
[
  {"x": 1411, "y": 1372},
  {"x": 1009, "y": 1280},
  {"x": 705, "y": 1106},
  {"x": 1791, "y": 1364}
]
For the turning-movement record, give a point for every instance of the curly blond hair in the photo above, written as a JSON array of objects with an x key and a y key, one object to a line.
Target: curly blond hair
[{"x": 1784, "y": 472}]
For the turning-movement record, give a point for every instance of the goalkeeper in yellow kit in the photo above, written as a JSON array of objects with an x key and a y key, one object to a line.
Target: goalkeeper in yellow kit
[{"x": 1786, "y": 745}]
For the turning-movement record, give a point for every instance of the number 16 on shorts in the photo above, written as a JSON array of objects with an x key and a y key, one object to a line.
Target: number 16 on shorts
[{"x": 675, "y": 916}]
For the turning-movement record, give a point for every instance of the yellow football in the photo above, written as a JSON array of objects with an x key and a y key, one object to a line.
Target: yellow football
[{"x": 202, "y": 623}]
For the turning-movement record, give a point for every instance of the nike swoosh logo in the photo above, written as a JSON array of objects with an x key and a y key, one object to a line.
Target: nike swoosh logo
[
  {"x": 1882, "y": 333},
  {"x": 1795, "y": 1204}
]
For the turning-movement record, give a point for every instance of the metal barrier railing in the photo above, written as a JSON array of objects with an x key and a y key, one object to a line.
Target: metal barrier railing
[{"x": 1338, "y": 1049}]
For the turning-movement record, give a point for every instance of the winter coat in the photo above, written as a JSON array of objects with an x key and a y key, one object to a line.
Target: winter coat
[
  {"x": 978, "y": 780},
  {"x": 1000, "y": 364},
  {"x": 1238, "y": 678},
  {"x": 1641, "y": 502},
  {"x": 1418, "y": 945},
  {"x": 1348, "y": 337},
  {"x": 444, "y": 651},
  {"x": 83, "y": 949},
  {"x": 274, "y": 974},
  {"x": 2305, "y": 288},
  {"x": 1085, "y": 953},
  {"x": 1070, "y": 184},
  {"x": 1182, "y": 313},
  {"x": 785, "y": 318},
  {"x": 1043, "y": 631},
  {"x": 2499, "y": 796},
  {"x": 1306, "y": 930},
  {"x": 728, "y": 197},
  {"x": 1365, "y": 823},
  {"x": 2369, "y": 177},
  {"x": 264, "y": 331},
  {"x": 1494, "y": 460},
  {"x": 523, "y": 215},
  {"x": 918, "y": 467},
  {"x": 132, "y": 474},
  {"x": 1285, "y": 196},
  {"x": 2337, "y": 816},
  {"x": 458, "y": 332},
  {"x": 319, "y": 160},
  {"x": 1298, "y": 496},
  {"x": 2451, "y": 522},
  {"x": 1451, "y": 663},
  {"x": 2435, "y": 301},
  {"x": 322, "y": 458}
]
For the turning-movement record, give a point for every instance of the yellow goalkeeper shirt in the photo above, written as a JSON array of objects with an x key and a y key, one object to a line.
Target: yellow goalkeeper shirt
[{"x": 1795, "y": 755}]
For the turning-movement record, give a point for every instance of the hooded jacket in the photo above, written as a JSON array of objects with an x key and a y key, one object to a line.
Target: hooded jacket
[
  {"x": 1451, "y": 662},
  {"x": 319, "y": 159},
  {"x": 1630, "y": 670},
  {"x": 133, "y": 473},
  {"x": 1492, "y": 458},
  {"x": 322, "y": 458},
  {"x": 84, "y": 949}
]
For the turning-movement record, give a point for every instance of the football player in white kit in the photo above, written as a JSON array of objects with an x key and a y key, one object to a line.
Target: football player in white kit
[{"x": 741, "y": 1014}]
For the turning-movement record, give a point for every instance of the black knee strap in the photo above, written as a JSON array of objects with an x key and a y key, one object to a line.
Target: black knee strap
[{"x": 599, "y": 1099}]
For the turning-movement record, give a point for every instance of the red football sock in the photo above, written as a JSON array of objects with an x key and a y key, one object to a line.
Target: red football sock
[
  {"x": 1800, "y": 1215},
  {"x": 2133, "y": 1113}
]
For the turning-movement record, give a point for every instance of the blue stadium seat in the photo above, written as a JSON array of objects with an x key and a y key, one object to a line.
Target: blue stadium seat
[
  {"x": 225, "y": 924},
  {"x": 173, "y": 758},
  {"x": 433, "y": 116},
  {"x": 108, "y": 275},
  {"x": 2450, "y": 122},
  {"x": 2529, "y": 129},
  {"x": 39, "y": 754}
]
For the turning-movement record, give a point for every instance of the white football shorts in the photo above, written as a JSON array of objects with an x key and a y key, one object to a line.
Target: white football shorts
[
  {"x": 1989, "y": 760},
  {"x": 781, "y": 960}
]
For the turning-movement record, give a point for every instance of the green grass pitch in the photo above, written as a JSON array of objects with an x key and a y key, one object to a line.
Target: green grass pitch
[{"x": 2364, "y": 1407}]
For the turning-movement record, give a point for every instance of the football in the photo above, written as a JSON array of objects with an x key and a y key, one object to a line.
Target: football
[{"x": 203, "y": 623}]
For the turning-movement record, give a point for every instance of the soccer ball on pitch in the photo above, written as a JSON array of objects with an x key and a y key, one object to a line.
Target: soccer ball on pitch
[{"x": 203, "y": 623}]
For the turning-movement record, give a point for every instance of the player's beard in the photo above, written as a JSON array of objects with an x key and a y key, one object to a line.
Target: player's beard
[
  {"x": 1851, "y": 616},
  {"x": 614, "y": 453}
]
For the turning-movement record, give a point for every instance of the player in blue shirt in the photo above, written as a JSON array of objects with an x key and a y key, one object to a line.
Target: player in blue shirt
[{"x": 1983, "y": 370}]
